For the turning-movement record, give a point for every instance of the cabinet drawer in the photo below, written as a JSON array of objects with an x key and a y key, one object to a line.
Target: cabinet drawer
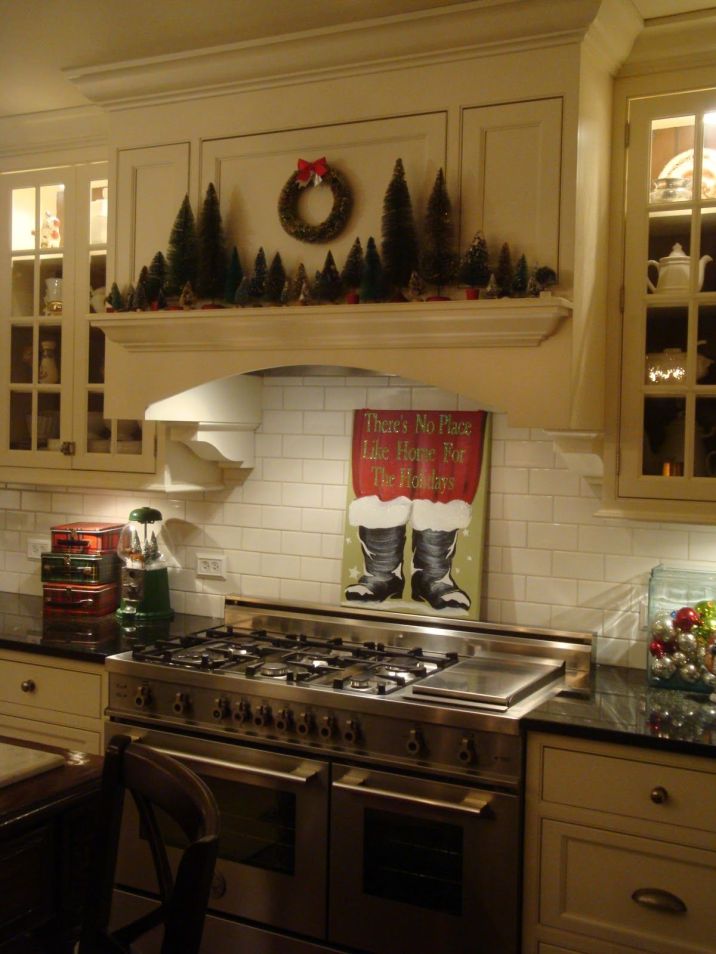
[
  {"x": 649, "y": 790},
  {"x": 589, "y": 877},
  {"x": 53, "y": 688}
]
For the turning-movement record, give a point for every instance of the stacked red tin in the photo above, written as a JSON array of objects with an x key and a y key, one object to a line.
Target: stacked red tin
[{"x": 81, "y": 574}]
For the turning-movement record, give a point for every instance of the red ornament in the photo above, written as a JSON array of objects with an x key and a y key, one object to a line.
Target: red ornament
[
  {"x": 686, "y": 618},
  {"x": 656, "y": 648}
]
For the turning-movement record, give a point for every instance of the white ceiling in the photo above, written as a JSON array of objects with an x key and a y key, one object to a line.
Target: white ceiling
[{"x": 42, "y": 37}]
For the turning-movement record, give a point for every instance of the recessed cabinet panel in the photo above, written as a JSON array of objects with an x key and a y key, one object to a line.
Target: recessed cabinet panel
[
  {"x": 668, "y": 424},
  {"x": 151, "y": 184},
  {"x": 510, "y": 178},
  {"x": 249, "y": 173}
]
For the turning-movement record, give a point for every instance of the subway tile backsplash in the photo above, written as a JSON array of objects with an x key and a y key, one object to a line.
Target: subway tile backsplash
[{"x": 549, "y": 560}]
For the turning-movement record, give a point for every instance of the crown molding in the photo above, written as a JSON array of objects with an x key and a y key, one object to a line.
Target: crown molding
[
  {"x": 480, "y": 28},
  {"x": 56, "y": 131},
  {"x": 673, "y": 43}
]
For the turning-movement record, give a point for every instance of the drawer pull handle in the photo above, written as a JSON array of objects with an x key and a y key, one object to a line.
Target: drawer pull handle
[
  {"x": 659, "y": 795},
  {"x": 659, "y": 900},
  {"x": 28, "y": 685}
]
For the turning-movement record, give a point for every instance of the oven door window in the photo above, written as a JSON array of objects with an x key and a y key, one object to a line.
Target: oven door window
[
  {"x": 258, "y": 825},
  {"x": 416, "y": 861}
]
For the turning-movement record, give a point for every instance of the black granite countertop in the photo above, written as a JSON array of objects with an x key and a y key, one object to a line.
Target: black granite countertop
[
  {"x": 621, "y": 707},
  {"x": 23, "y": 627}
]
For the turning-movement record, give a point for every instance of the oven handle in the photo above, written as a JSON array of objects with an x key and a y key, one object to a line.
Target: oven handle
[
  {"x": 470, "y": 805},
  {"x": 306, "y": 772}
]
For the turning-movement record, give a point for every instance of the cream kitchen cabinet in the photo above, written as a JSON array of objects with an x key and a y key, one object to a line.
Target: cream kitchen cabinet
[
  {"x": 51, "y": 699},
  {"x": 666, "y": 444},
  {"x": 53, "y": 276},
  {"x": 620, "y": 849}
]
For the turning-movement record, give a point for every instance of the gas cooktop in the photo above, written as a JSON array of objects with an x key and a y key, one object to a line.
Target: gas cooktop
[{"x": 363, "y": 668}]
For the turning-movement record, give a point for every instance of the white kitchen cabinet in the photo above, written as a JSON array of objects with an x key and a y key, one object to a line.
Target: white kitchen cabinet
[
  {"x": 53, "y": 252},
  {"x": 620, "y": 849},
  {"x": 55, "y": 700}
]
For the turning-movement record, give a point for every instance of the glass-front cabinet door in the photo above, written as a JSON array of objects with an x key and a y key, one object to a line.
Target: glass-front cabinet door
[
  {"x": 668, "y": 425},
  {"x": 53, "y": 256}
]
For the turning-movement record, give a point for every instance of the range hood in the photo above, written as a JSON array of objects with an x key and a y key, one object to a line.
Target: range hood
[{"x": 200, "y": 370}]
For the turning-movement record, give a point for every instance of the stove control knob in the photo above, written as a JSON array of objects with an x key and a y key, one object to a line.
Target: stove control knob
[
  {"x": 142, "y": 697},
  {"x": 284, "y": 720},
  {"x": 262, "y": 716},
  {"x": 328, "y": 727},
  {"x": 242, "y": 711},
  {"x": 221, "y": 709},
  {"x": 351, "y": 731},
  {"x": 304, "y": 726},
  {"x": 182, "y": 703},
  {"x": 416, "y": 742},
  {"x": 466, "y": 752}
]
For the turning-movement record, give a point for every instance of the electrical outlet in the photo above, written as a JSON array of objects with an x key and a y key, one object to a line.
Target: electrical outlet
[
  {"x": 211, "y": 565},
  {"x": 36, "y": 547}
]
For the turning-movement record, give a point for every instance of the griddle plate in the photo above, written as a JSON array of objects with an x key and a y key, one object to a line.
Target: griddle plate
[{"x": 491, "y": 679}]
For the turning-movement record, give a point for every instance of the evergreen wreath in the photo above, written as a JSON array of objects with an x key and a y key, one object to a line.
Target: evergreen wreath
[{"x": 315, "y": 173}]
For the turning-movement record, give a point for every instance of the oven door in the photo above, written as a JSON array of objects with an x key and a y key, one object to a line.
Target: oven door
[
  {"x": 419, "y": 865},
  {"x": 273, "y": 843}
]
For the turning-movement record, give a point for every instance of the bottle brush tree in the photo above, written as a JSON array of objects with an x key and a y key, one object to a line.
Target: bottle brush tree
[
  {"x": 352, "y": 272},
  {"x": 211, "y": 259},
  {"x": 504, "y": 272},
  {"x": 275, "y": 279},
  {"x": 439, "y": 259},
  {"x": 234, "y": 274},
  {"x": 329, "y": 286},
  {"x": 372, "y": 286},
  {"x": 399, "y": 246},
  {"x": 474, "y": 270},
  {"x": 521, "y": 278},
  {"x": 182, "y": 251},
  {"x": 257, "y": 284},
  {"x": 157, "y": 277}
]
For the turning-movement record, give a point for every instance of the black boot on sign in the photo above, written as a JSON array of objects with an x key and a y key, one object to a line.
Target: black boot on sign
[
  {"x": 433, "y": 552},
  {"x": 383, "y": 556}
]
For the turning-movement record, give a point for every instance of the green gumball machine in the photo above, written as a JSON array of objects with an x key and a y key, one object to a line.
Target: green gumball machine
[{"x": 144, "y": 588}]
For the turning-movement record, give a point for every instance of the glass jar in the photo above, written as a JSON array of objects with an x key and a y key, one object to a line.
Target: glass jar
[{"x": 681, "y": 647}]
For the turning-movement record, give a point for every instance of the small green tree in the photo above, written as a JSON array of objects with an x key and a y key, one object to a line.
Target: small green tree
[
  {"x": 234, "y": 274},
  {"x": 439, "y": 259},
  {"x": 115, "y": 299},
  {"x": 504, "y": 273},
  {"x": 474, "y": 270},
  {"x": 258, "y": 279},
  {"x": 275, "y": 280},
  {"x": 140, "y": 302},
  {"x": 545, "y": 276},
  {"x": 157, "y": 276},
  {"x": 182, "y": 251},
  {"x": 352, "y": 273},
  {"x": 522, "y": 274},
  {"x": 297, "y": 284},
  {"x": 399, "y": 246},
  {"x": 372, "y": 286},
  {"x": 243, "y": 293},
  {"x": 329, "y": 286},
  {"x": 211, "y": 261}
]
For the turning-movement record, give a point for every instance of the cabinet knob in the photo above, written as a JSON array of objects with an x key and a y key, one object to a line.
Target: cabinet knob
[
  {"x": 659, "y": 795},
  {"x": 28, "y": 685}
]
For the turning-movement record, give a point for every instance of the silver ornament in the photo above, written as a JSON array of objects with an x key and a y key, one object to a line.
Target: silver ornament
[
  {"x": 679, "y": 659},
  {"x": 709, "y": 679},
  {"x": 689, "y": 672},
  {"x": 660, "y": 668},
  {"x": 688, "y": 644},
  {"x": 662, "y": 627}
]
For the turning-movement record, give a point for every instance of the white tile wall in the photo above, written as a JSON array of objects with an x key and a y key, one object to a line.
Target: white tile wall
[{"x": 549, "y": 560}]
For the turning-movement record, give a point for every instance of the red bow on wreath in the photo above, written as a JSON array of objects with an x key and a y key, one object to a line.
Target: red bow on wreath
[{"x": 311, "y": 172}]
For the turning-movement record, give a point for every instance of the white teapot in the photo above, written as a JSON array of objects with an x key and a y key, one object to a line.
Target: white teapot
[{"x": 673, "y": 271}]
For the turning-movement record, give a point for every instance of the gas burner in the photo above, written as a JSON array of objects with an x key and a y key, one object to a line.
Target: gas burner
[
  {"x": 320, "y": 659},
  {"x": 274, "y": 670},
  {"x": 363, "y": 683},
  {"x": 404, "y": 668}
]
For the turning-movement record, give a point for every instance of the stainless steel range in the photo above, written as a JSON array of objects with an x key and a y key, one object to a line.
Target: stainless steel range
[{"x": 368, "y": 767}]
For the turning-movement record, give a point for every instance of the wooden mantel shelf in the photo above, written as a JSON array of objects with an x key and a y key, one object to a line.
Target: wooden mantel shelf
[{"x": 499, "y": 323}]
